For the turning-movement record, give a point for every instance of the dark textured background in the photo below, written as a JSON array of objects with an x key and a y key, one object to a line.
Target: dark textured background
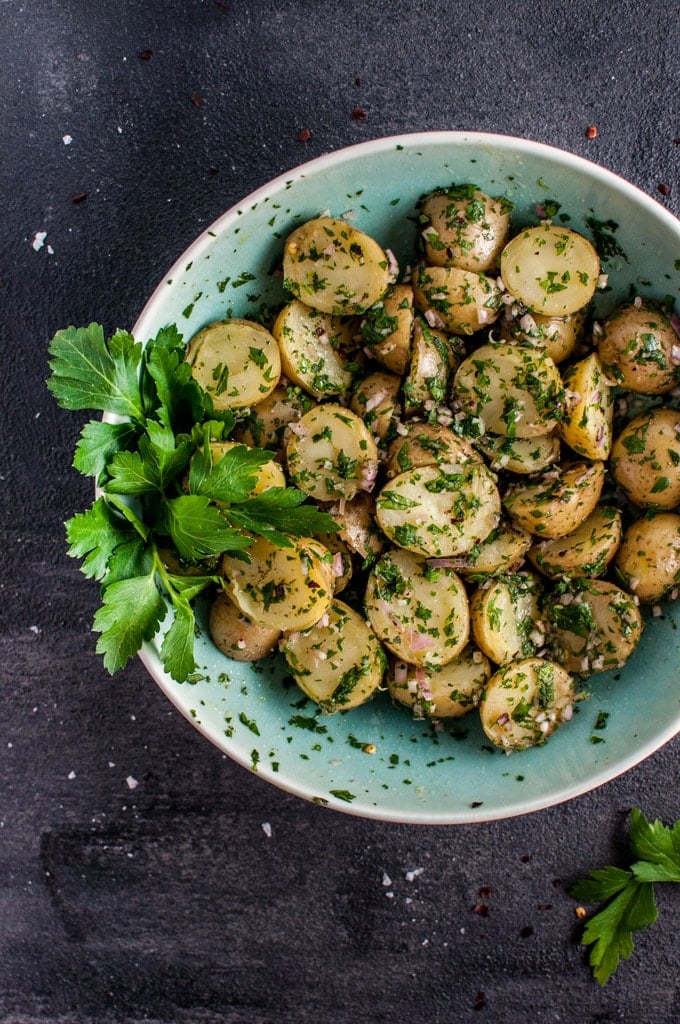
[{"x": 169, "y": 902}]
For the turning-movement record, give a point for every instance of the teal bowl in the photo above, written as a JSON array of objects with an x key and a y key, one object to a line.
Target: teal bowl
[{"x": 253, "y": 713}]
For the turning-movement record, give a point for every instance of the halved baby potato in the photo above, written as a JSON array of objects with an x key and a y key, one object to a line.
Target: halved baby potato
[
  {"x": 648, "y": 560},
  {"x": 464, "y": 227},
  {"x": 356, "y": 524},
  {"x": 587, "y": 551},
  {"x": 596, "y": 629},
  {"x": 645, "y": 459},
  {"x": 434, "y": 357},
  {"x": 439, "y": 510},
  {"x": 316, "y": 350},
  {"x": 387, "y": 327},
  {"x": 376, "y": 402},
  {"x": 559, "y": 335},
  {"x": 440, "y": 691},
  {"x": 458, "y": 301},
  {"x": 334, "y": 267},
  {"x": 516, "y": 390},
  {"x": 265, "y": 426},
  {"x": 525, "y": 701},
  {"x": 237, "y": 362},
  {"x": 505, "y": 617},
  {"x": 521, "y": 455},
  {"x": 236, "y": 635},
  {"x": 281, "y": 588},
  {"x": 332, "y": 453},
  {"x": 339, "y": 663},
  {"x": 550, "y": 269},
  {"x": 426, "y": 444},
  {"x": 639, "y": 348},
  {"x": 419, "y": 612},
  {"x": 558, "y": 502},
  {"x": 501, "y": 552},
  {"x": 589, "y": 410}
]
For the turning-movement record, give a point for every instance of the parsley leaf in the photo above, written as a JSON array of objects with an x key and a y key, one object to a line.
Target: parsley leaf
[
  {"x": 90, "y": 373},
  {"x": 630, "y": 893},
  {"x": 123, "y": 633}
]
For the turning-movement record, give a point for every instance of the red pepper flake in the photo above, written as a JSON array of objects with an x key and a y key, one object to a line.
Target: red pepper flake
[
  {"x": 526, "y": 932},
  {"x": 196, "y": 99},
  {"x": 221, "y": 5},
  {"x": 146, "y": 54},
  {"x": 676, "y": 142},
  {"x": 481, "y": 909},
  {"x": 663, "y": 188},
  {"x": 545, "y": 906},
  {"x": 485, "y": 892},
  {"x": 557, "y": 882},
  {"x": 480, "y": 1001},
  {"x": 304, "y": 135},
  {"x": 79, "y": 197},
  {"x": 357, "y": 82},
  {"x": 526, "y": 858},
  {"x": 212, "y": 171},
  {"x": 591, "y": 131},
  {"x": 359, "y": 114}
]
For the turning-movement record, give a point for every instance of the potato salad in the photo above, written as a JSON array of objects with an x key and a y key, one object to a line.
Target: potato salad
[{"x": 502, "y": 466}]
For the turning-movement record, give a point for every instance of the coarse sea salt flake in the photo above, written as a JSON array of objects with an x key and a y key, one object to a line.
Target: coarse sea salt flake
[
  {"x": 386, "y": 880},
  {"x": 412, "y": 875},
  {"x": 71, "y": 775},
  {"x": 67, "y": 139},
  {"x": 132, "y": 782},
  {"x": 39, "y": 240},
  {"x": 267, "y": 829}
]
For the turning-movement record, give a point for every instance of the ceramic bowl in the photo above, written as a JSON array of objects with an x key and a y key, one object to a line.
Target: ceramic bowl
[{"x": 252, "y": 712}]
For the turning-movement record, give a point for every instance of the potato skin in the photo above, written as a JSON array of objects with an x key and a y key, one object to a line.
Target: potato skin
[
  {"x": 465, "y": 228},
  {"x": 639, "y": 349},
  {"x": 645, "y": 460},
  {"x": 648, "y": 560},
  {"x": 235, "y": 635}
]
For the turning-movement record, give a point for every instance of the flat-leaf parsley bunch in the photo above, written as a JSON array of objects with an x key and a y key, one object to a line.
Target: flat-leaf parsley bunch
[{"x": 159, "y": 488}]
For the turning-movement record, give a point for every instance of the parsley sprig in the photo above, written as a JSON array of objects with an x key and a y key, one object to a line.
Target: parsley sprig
[
  {"x": 159, "y": 489},
  {"x": 628, "y": 894}
]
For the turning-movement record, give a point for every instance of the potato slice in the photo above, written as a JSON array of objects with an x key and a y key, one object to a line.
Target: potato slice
[
  {"x": 516, "y": 390},
  {"x": 559, "y": 335},
  {"x": 589, "y": 410},
  {"x": 502, "y": 551},
  {"x": 505, "y": 618},
  {"x": 439, "y": 510},
  {"x": 236, "y": 361},
  {"x": 587, "y": 551},
  {"x": 339, "y": 663},
  {"x": 426, "y": 444},
  {"x": 265, "y": 426},
  {"x": 316, "y": 350},
  {"x": 465, "y": 227},
  {"x": 281, "y": 588},
  {"x": 648, "y": 560},
  {"x": 639, "y": 348},
  {"x": 235, "y": 635},
  {"x": 440, "y": 691},
  {"x": 524, "y": 702},
  {"x": 387, "y": 327},
  {"x": 521, "y": 455},
  {"x": 434, "y": 357},
  {"x": 645, "y": 459},
  {"x": 418, "y": 611},
  {"x": 458, "y": 301},
  {"x": 332, "y": 454},
  {"x": 550, "y": 269},
  {"x": 376, "y": 402},
  {"x": 335, "y": 268},
  {"x": 559, "y": 501},
  {"x": 596, "y": 629}
]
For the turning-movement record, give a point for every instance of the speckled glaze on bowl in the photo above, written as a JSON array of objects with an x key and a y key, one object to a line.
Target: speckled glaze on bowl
[{"x": 251, "y": 712}]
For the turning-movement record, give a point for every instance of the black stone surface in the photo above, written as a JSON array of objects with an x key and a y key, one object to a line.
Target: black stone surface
[{"x": 169, "y": 902}]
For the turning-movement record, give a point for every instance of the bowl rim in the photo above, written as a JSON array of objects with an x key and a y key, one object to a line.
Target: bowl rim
[{"x": 148, "y": 654}]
